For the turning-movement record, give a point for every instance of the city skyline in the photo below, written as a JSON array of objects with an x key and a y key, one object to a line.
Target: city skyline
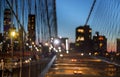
[
  {"x": 104, "y": 18},
  {"x": 38, "y": 38},
  {"x": 73, "y": 13}
]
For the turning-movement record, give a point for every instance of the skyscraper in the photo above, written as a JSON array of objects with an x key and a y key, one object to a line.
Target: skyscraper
[
  {"x": 118, "y": 44},
  {"x": 7, "y": 21},
  {"x": 83, "y": 38},
  {"x": 31, "y": 28},
  {"x": 99, "y": 43}
]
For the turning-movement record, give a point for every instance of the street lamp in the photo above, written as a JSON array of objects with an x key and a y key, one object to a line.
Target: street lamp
[{"x": 12, "y": 34}]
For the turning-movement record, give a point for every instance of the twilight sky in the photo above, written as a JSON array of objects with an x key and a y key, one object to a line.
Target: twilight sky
[
  {"x": 71, "y": 14},
  {"x": 104, "y": 19}
]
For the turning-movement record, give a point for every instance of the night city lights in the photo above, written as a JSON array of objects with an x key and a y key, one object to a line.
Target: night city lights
[{"x": 59, "y": 38}]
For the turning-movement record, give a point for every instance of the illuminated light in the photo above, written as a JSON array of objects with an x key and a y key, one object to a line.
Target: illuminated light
[
  {"x": 67, "y": 52},
  {"x": 89, "y": 53},
  {"x": 100, "y": 44},
  {"x": 60, "y": 36},
  {"x": 101, "y": 38},
  {"x": 46, "y": 44},
  {"x": 56, "y": 41},
  {"x": 77, "y": 44},
  {"x": 61, "y": 55},
  {"x": 27, "y": 44},
  {"x": 80, "y": 39},
  {"x": 56, "y": 50},
  {"x": 82, "y": 54},
  {"x": 96, "y": 53},
  {"x": 117, "y": 54},
  {"x": 1, "y": 43},
  {"x": 13, "y": 34},
  {"x": 59, "y": 48},
  {"x": 74, "y": 60},
  {"x": 90, "y": 30},
  {"x": 26, "y": 61},
  {"x": 77, "y": 72},
  {"x": 34, "y": 46},
  {"x": 16, "y": 63},
  {"x": 30, "y": 59},
  {"x": 66, "y": 41},
  {"x": 33, "y": 43},
  {"x": 80, "y": 30},
  {"x": 30, "y": 46},
  {"x": 106, "y": 54}
]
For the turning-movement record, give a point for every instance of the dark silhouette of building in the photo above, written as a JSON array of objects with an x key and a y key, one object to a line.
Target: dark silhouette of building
[
  {"x": 65, "y": 43},
  {"x": 83, "y": 40},
  {"x": 118, "y": 44},
  {"x": 1, "y": 37},
  {"x": 99, "y": 43},
  {"x": 6, "y": 29},
  {"x": 31, "y": 28},
  {"x": 7, "y": 21}
]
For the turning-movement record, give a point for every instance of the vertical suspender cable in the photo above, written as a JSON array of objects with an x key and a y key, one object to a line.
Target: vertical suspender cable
[
  {"x": 55, "y": 19},
  {"x": 0, "y": 16},
  {"x": 16, "y": 4},
  {"x": 90, "y": 12},
  {"x": 48, "y": 24}
]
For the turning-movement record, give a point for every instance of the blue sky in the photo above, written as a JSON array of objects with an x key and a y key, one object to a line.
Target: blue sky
[{"x": 71, "y": 14}]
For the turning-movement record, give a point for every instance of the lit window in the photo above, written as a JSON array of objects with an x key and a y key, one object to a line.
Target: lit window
[
  {"x": 32, "y": 20},
  {"x": 90, "y": 30},
  {"x": 80, "y": 39},
  {"x": 80, "y": 30},
  {"x": 77, "y": 44},
  {"x": 100, "y": 38},
  {"x": 100, "y": 45}
]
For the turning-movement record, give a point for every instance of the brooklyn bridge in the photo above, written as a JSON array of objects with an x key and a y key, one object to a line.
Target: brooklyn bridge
[{"x": 31, "y": 44}]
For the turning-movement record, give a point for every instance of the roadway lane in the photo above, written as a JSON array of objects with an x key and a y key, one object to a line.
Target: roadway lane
[{"x": 84, "y": 65}]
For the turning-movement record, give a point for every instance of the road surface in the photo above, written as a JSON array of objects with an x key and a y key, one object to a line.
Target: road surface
[{"x": 80, "y": 65}]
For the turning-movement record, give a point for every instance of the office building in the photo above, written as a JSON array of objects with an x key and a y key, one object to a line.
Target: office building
[
  {"x": 99, "y": 43},
  {"x": 31, "y": 28},
  {"x": 83, "y": 38},
  {"x": 118, "y": 44},
  {"x": 65, "y": 43},
  {"x": 7, "y": 21}
]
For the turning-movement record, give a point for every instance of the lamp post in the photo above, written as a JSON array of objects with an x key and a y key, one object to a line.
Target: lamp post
[{"x": 12, "y": 34}]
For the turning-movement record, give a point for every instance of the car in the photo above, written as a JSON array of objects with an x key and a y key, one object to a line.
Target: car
[
  {"x": 77, "y": 72},
  {"x": 74, "y": 60}
]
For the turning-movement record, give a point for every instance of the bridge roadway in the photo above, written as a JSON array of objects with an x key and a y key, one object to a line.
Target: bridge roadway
[
  {"x": 29, "y": 69},
  {"x": 79, "y": 65}
]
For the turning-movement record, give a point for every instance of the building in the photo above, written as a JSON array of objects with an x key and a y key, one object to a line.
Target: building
[
  {"x": 1, "y": 40},
  {"x": 118, "y": 44},
  {"x": 65, "y": 44},
  {"x": 31, "y": 28},
  {"x": 6, "y": 45},
  {"x": 1, "y": 37},
  {"x": 7, "y": 21},
  {"x": 99, "y": 43},
  {"x": 83, "y": 39}
]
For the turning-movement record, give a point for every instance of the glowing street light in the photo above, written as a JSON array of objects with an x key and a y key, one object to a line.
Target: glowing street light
[
  {"x": 12, "y": 35},
  {"x": 56, "y": 41}
]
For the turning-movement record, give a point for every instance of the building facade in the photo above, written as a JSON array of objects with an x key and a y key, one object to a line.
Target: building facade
[
  {"x": 31, "y": 28},
  {"x": 83, "y": 38},
  {"x": 118, "y": 44},
  {"x": 99, "y": 43},
  {"x": 7, "y": 22}
]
